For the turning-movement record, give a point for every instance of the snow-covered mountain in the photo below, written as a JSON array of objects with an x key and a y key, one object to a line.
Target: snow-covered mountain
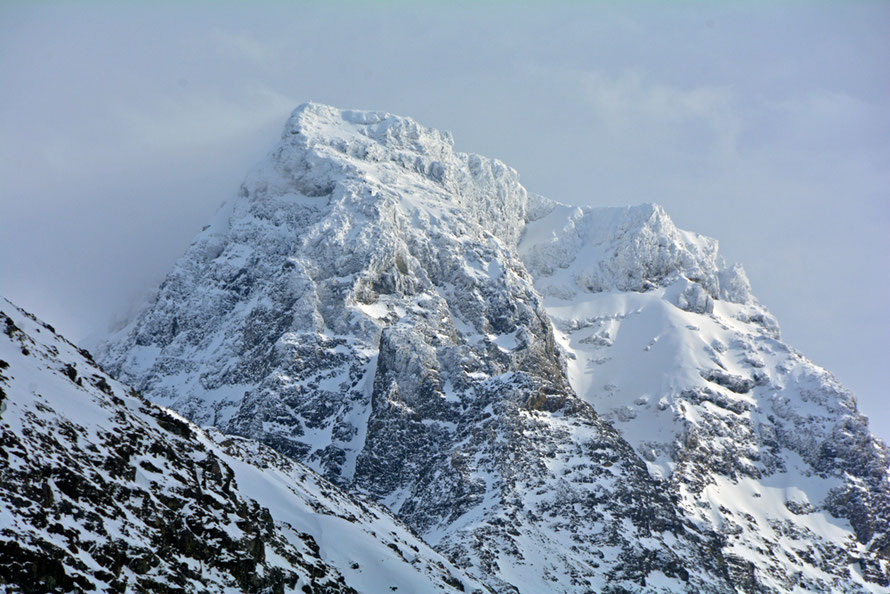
[
  {"x": 411, "y": 323},
  {"x": 758, "y": 443},
  {"x": 102, "y": 491}
]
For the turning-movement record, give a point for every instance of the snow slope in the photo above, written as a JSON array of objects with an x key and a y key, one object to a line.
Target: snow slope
[
  {"x": 759, "y": 444},
  {"x": 100, "y": 490},
  {"x": 411, "y": 323}
]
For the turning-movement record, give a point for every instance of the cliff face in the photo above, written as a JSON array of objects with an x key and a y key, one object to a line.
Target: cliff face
[{"x": 409, "y": 322}]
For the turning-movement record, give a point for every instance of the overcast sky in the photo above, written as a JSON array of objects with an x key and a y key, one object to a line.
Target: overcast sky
[{"x": 765, "y": 125}]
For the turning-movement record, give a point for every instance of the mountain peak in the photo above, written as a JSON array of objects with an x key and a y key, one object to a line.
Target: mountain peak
[
  {"x": 373, "y": 163},
  {"x": 410, "y": 322},
  {"x": 328, "y": 124},
  {"x": 631, "y": 248}
]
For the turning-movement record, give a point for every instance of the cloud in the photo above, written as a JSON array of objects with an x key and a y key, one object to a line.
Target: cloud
[
  {"x": 192, "y": 120},
  {"x": 830, "y": 121},
  {"x": 231, "y": 46},
  {"x": 122, "y": 132},
  {"x": 122, "y": 127},
  {"x": 644, "y": 112}
]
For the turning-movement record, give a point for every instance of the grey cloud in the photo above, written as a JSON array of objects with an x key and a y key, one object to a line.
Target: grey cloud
[{"x": 122, "y": 128}]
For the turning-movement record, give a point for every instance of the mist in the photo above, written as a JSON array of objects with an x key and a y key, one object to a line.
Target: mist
[{"x": 123, "y": 127}]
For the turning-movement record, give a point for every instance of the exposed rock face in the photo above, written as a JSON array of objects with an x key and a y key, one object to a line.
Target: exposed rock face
[
  {"x": 371, "y": 305},
  {"x": 102, "y": 491}
]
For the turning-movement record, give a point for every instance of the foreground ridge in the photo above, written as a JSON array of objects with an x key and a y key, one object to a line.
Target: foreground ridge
[
  {"x": 411, "y": 323},
  {"x": 101, "y": 490}
]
